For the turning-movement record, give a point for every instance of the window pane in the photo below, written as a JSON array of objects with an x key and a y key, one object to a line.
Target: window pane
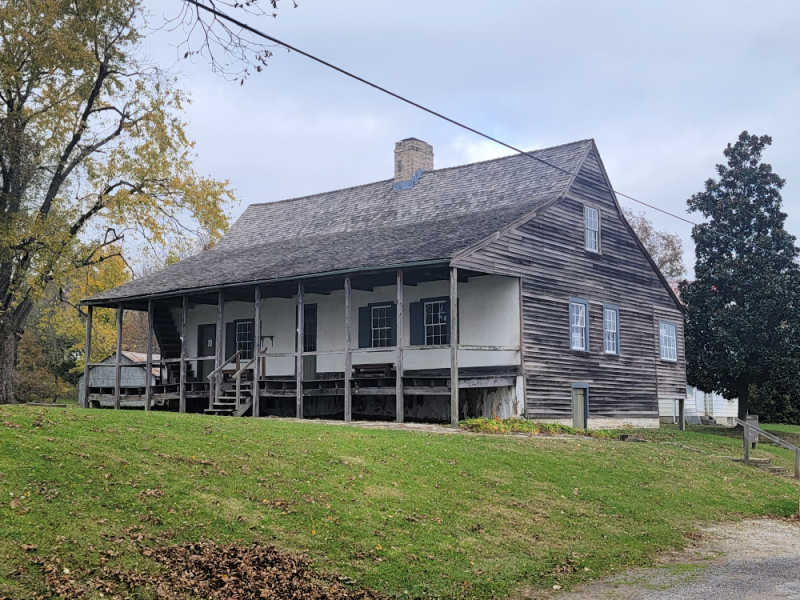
[
  {"x": 668, "y": 341},
  {"x": 610, "y": 331},
  {"x": 381, "y": 326},
  {"x": 592, "y": 228},
  {"x": 436, "y": 325},
  {"x": 577, "y": 313},
  {"x": 245, "y": 332}
]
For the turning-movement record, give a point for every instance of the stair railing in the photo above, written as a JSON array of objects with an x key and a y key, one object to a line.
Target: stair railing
[
  {"x": 214, "y": 375},
  {"x": 238, "y": 378},
  {"x": 748, "y": 429}
]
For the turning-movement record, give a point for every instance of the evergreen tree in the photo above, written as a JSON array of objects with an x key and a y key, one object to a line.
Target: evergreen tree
[{"x": 742, "y": 309}]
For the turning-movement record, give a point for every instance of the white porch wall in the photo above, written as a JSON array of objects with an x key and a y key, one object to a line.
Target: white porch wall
[{"x": 489, "y": 316}]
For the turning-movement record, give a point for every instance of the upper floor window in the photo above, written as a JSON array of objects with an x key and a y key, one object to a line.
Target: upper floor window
[
  {"x": 591, "y": 220},
  {"x": 578, "y": 325},
  {"x": 668, "y": 341},
  {"x": 610, "y": 330},
  {"x": 437, "y": 326},
  {"x": 381, "y": 325},
  {"x": 377, "y": 325}
]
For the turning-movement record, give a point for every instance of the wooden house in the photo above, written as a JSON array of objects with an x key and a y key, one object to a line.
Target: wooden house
[{"x": 509, "y": 287}]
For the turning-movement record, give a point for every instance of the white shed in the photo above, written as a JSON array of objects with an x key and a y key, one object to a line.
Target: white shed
[
  {"x": 103, "y": 376},
  {"x": 701, "y": 407}
]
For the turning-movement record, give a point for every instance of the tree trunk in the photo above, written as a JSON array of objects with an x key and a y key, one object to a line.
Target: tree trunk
[
  {"x": 8, "y": 363},
  {"x": 744, "y": 400}
]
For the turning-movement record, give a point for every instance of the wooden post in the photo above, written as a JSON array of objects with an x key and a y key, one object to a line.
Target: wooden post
[
  {"x": 682, "y": 414},
  {"x": 522, "y": 350},
  {"x": 257, "y": 346},
  {"x": 118, "y": 358},
  {"x": 348, "y": 353},
  {"x": 454, "y": 346},
  {"x": 182, "y": 380},
  {"x": 220, "y": 350},
  {"x": 746, "y": 439},
  {"x": 299, "y": 353},
  {"x": 399, "y": 408},
  {"x": 797, "y": 464},
  {"x": 87, "y": 356},
  {"x": 148, "y": 387}
]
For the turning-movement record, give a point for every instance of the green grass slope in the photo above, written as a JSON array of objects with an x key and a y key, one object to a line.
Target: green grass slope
[{"x": 403, "y": 513}]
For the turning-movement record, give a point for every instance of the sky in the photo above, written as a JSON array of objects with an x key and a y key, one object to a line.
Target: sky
[{"x": 662, "y": 87}]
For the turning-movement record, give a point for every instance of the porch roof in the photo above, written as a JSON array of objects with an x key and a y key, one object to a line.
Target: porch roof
[{"x": 369, "y": 226}]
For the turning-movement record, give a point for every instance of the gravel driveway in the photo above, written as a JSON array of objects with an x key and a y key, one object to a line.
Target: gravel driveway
[{"x": 746, "y": 560}]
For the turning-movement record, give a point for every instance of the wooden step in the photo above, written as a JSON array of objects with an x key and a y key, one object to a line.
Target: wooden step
[{"x": 754, "y": 461}]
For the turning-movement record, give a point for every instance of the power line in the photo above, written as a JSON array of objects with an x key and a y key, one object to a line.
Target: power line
[{"x": 422, "y": 107}]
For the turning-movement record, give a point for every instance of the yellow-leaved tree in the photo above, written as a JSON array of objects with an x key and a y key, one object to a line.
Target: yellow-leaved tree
[{"x": 92, "y": 147}]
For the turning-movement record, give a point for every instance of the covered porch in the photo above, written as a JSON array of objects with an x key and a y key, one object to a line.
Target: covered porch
[{"x": 423, "y": 342}]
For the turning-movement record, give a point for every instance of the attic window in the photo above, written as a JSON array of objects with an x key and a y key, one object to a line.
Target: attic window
[{"x": 591, "y": 219}]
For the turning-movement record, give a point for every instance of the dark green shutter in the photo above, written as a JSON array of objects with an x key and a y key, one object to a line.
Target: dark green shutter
[
  {"x": 230, "y": 339},
  {"x": 364, "y": 327},
  {"x": 417, "y": 323}
]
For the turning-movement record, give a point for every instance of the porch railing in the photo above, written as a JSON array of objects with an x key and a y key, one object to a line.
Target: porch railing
[
  {"x": 214, "y": 377},
  {"x": 237, "y": 377}
]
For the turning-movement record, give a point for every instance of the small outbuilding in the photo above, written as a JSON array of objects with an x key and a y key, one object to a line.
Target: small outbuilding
[{"x": 134, "y": 375}]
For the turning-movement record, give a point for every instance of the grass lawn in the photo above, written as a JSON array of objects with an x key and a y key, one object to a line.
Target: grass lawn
[{"x": 403, "y": 513}]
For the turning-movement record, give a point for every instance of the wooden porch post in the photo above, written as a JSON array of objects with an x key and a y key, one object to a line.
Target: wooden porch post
[
  {"x": 148, "y": 388},
  {"x": 454, "y": 346},
  {"x": 220, "y": 342},
  {"x": 88, "y": 356},
  {"x": 348, "y": 353},
  {"x": 299, "y": 352},
  {"x": 118, "y": 358},
  {"x": 399, "y": 408},
  {"x": 182, "y": 384},
  {"x": 257, "y": 347}
]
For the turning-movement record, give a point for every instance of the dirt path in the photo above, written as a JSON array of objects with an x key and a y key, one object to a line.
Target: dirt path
[{"x": 749, "y": 560}]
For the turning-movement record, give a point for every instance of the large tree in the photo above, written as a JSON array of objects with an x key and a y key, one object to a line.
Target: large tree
[
  {"x": 665, "y": 248},
  {"x": 743, "y": 308},
  {"x": 91, "y": 148}
]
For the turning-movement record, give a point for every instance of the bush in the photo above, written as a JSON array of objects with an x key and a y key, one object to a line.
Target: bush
[{"x": 484, "y": 425}]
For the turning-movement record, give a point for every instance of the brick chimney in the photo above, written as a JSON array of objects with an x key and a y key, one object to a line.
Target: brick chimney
[{"x": 411, "y": 155}]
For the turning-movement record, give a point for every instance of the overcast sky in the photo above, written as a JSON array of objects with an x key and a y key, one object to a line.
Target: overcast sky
[{"x": 660, "y": 86}]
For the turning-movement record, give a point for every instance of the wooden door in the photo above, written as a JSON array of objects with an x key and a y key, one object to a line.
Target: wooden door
[
  {"x": 206, "y": 346},
  {"x": 580, "y": 406}
]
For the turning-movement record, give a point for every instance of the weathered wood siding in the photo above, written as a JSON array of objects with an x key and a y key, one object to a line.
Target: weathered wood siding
[{"x": 547, "y": 253}]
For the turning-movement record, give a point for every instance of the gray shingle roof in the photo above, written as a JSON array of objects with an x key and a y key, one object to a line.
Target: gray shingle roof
[{"x": 370, "y": 225}]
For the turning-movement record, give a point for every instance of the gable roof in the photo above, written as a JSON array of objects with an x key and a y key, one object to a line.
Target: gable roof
[{"x": 372, "y": 225}]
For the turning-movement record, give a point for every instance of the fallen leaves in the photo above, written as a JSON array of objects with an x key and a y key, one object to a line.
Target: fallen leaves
[
  {"x": 205, "y": 570},
  {"x": 151, "y": 493}
]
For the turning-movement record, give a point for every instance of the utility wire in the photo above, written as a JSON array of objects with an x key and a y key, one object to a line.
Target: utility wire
[{"x": 422, "y": 107}]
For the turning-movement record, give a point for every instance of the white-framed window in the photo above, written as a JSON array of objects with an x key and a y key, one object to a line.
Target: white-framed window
[
  {"x": 668, "y": 341},
  {"x": 578, "y": 325},
  {"x": 245, "y": 338},
  {"x": 381, "y": 325},
  {"x": 591, "y": 220},
  {"x": 610, "y": 330},
  {"x": 437, "y": 326}
]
